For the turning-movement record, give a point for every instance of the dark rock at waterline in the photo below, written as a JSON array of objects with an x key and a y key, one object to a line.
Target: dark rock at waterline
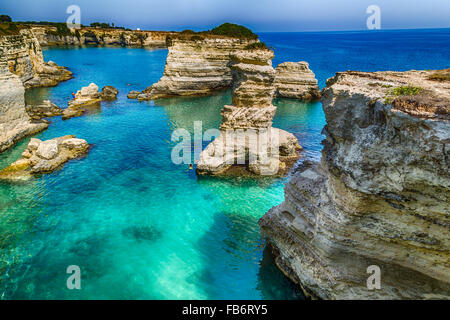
[
  {"x": 142, "y": 233},
  {"x": 109, "y": 93}
]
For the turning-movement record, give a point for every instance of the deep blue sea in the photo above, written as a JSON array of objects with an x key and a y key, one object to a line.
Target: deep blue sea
[{"x": 141, "y": 227}]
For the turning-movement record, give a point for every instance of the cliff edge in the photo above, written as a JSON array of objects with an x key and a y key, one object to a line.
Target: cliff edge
[{"x": 380, "y": 196}]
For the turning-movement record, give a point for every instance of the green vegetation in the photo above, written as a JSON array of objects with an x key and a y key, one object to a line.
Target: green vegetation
[
  {"x": 256, "y": 46},
  {"x": 5, "y": 18},
  {"x": 196, "y": 38},
  {"x": 233, "y": 30},
  {"x": 443, "y": 75},
  {"x": 402, "y": 91},
  {"x": 8, "y": 28},
  {"x": 187, "y": 31},
  {"x": 61, "y": 29}
]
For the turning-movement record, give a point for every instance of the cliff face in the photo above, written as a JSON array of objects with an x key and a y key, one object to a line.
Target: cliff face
[
  {"x": 296, "y": 81},
  {"x": 380, "y": 196},
  {"x": 196, "y": 67},
  {"x": 24, "y": 58},
  {"x": 15, "y": 123},
  {"x": 48, "y": 36},
  {"x": 247, "y": 140}
]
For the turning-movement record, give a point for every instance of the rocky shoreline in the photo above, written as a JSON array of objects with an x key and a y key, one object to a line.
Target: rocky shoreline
[{"x": 380, "y": 195}]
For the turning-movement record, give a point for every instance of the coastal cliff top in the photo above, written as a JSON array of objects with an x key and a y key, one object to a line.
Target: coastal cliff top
[{"x": 424, "y": 94}]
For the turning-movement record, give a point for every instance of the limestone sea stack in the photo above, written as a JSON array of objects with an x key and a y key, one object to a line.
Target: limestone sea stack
[
  {"x": 88, "y": 98},
  {"x": 44, "y": 157},
  {"x": 23, "y": 54},
  {"x": 247, "y": 139},
  {"x": 15, "y": 123},
  {"x": 195, "y": 65},
  {"x": 380, "y": 196},
  {"x": 296, "y": 81}
]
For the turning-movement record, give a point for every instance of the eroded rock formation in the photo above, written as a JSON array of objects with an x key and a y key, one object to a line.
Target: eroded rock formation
[
  {"x": 196, "y": 67},
  {"x": 247, "y": 140},
  {"x": 49, "y": 36},
  {"x": 296, "y": 81},
  {"x": 43, "y": 110},
  {"x": 24, "y": 58},
  {"x": 44, "y": 157},
  {"x": 380, "y": 196},
  {"x": 88, "y": 98},
  {"x": 15, "y": 123}
]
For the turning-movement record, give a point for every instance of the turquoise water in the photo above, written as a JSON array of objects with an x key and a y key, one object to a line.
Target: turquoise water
[{"x": 141, "y": 227}]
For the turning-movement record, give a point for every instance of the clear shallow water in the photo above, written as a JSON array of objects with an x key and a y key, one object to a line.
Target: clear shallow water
[{"x": 139, "y": 226}]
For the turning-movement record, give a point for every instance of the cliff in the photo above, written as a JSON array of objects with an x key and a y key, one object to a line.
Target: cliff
[
  {"x": 24, "y": 58},
  {"x": 296, "y": 81},
  {"x": 247, "y": 140},
  {"x": 380, "y": 196},
  {"x": 50, "y": 36},
  {"x": 196, "y": 65},
  {"x": 15, "y": 123}
]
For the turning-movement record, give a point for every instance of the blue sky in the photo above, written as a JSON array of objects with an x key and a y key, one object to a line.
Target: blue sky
[{"x": 259, "y": 15}]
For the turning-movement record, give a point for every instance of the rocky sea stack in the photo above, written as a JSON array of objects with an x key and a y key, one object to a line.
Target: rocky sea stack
[
  {"x": 23, "y": 54},
  {"x": 248, "y": 142},
  {"x": 296, "y": 81},
  {"x": 380, "y": 196},
  {"x": 44, "y": 157}
]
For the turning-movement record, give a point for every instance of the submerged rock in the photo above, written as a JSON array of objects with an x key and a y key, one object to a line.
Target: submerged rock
[
  {"x": 44, "y": 110},
  {"x": 44, "y": 157},
  {"x": 295, "y": 80},
  {"x": 380, "y": 196},
  {"x": 247, "y": 143}
]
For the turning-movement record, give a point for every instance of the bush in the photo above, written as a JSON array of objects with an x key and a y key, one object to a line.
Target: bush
[
  {"x": 407, "y": 91},
  {"x": 443, "y": 75},
  {"x": 196, "y": 38},
  {"x": 5, "y": 18},
  {"x": 8, "y": 28},
  {"x": 233, "y": 30},
  {"x": 256, "y": 46},
  {"x": 187, "y": 31}
]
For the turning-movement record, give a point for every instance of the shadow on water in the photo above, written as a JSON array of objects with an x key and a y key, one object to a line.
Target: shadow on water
[{"x": 237, "y": 245}]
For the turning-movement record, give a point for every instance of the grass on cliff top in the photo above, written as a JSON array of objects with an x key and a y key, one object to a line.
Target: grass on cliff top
[
  {"x": 8, "y": 28},
  {"x": 402, "y": 91},
  {"x": 256, "y": 46},
  {"x": 442, "y": 75},
  {"x": 233, "y": 30}
]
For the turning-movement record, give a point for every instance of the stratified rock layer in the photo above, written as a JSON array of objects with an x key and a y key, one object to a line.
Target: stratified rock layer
[
  {"x": 88, "y": 98},
  {"x": 195, "y": 67},
  {"x": 44, "y": 157},
  {"x": 43, "y": 110},
  {"x": 296, "y": 81},
  {"x": 380, "y": 196},
  {"x": 247, "y": 143},
  {"x": 23, "y": 54},
  {"x": 15, "y": 123}
]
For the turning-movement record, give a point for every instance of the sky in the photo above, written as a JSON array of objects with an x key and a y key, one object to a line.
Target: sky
[{"x": 258, "y": 15}]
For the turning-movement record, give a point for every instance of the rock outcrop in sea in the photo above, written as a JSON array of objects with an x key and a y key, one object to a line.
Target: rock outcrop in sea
[
  {"x": 296, "y": 81},
  {"x": 44, "y": 110},
  {"x": 196, "y": 66},
  {"x": 88, "y": 98},
  {"x": 44, "y": 157},
  {"x": 248, "y": 142},
  {"x": 15, "y": 123},
  {"x": 379, "y": 198},
  {"x": 23, "y": 54}
]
